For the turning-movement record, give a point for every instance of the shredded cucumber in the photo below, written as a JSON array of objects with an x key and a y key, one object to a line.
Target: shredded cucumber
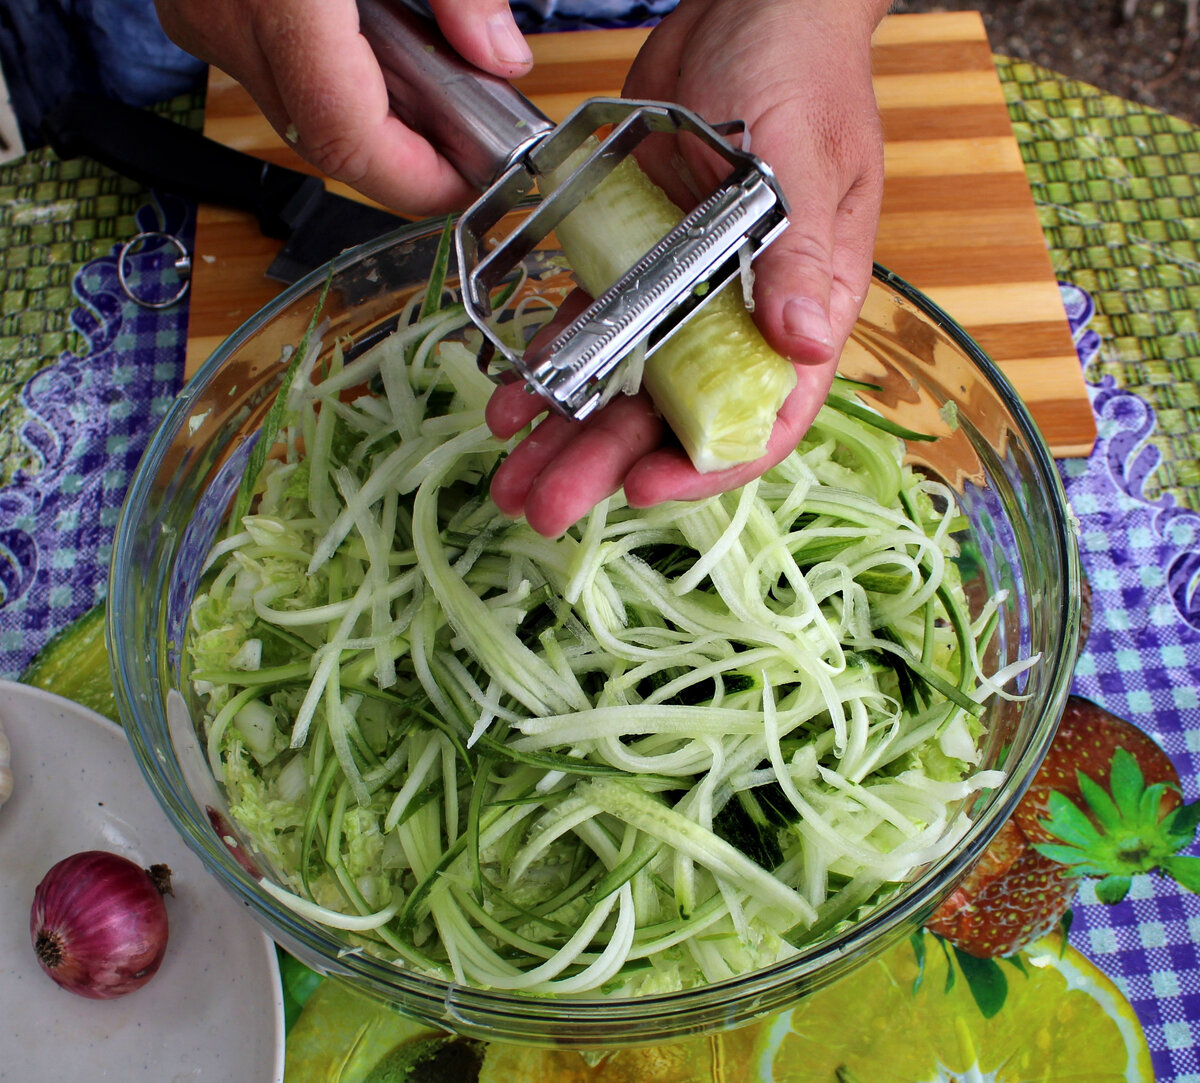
[{"x": 664, "y": 749}]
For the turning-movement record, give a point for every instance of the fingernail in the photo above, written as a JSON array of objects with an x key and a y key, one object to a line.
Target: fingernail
[
  {"x": 507, "y": 43},
  {"x": 804, "y": 318}
]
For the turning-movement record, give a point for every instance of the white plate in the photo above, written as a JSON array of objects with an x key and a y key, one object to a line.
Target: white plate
[{"x": 214, "y": 1010}]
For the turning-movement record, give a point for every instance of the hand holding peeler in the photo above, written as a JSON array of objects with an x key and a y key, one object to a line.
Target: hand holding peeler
[{"x": 502, "y": 144}]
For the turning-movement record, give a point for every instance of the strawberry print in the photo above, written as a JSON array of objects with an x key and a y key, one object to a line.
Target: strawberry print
[{"x": 1106, "y": 804}]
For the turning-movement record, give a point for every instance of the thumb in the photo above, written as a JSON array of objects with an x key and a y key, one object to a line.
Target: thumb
[
  {"x": 810, "y": 283},
  {"x": 485, "y": 33},
  {"x": 792, "y": 284}
]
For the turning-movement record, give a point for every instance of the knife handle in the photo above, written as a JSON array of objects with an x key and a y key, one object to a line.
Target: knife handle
[
  {"x": 481, "y": 123},
  {"x": 161, "y": 154}
]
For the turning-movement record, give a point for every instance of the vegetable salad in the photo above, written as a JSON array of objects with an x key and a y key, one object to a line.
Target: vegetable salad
[{"x": 662, "y": 750}]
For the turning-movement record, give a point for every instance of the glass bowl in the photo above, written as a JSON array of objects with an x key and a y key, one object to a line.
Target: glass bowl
[{"x": 925, "y": 373}]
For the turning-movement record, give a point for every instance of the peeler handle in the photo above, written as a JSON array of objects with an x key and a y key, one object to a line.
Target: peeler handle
[{"x": 480, "y": 122}]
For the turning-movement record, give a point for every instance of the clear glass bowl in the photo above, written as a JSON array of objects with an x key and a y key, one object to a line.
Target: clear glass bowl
[{"x": 930, "y": 377}]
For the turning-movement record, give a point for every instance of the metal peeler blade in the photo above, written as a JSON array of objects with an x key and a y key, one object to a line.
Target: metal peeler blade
[{"x": 503, "y": 144}]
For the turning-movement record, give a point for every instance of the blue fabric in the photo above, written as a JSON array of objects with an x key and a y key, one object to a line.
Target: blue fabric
[
  {"x": 595, "y": 9},
  {"x": 548, "y": 15},
  {"x": 52, "y": 48}
]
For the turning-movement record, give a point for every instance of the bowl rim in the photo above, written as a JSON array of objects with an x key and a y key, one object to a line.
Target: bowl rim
[{"x": 447, "y": 998}]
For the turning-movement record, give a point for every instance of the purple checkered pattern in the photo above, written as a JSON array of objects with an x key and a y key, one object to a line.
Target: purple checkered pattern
[
  {"x": 1142, "y": 662},
  {"x": 86, "y": 420}
]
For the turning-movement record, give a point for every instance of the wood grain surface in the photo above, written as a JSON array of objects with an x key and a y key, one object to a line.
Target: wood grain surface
[{"x": 958, "y": 217}]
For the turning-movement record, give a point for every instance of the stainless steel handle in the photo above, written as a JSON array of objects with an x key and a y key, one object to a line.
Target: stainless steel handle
[{"x": 480, "y": 122}]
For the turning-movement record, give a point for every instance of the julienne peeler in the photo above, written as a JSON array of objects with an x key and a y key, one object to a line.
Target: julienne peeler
[{"x": 503, "y": 144}]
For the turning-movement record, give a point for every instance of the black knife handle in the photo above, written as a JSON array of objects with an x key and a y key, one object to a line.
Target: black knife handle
[{"x": 161, "y": 154}]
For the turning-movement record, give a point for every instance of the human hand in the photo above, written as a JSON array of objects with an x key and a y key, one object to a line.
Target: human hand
[
  {"x": 318, "y": 83},
  {"x": 798, "y": 73}
]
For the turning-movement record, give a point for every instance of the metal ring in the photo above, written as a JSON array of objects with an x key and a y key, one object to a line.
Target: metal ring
[{"x": 183, "y": 267}]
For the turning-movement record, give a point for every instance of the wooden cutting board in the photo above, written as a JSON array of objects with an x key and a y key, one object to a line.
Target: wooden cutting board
[{"x": 958, "y": 217}]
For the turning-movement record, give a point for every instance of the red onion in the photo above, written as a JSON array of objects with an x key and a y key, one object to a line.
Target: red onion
[{"x": 99, "y": 923}]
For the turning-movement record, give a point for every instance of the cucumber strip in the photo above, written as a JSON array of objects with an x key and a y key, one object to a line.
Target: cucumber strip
[
  {"x": 858, "y": 412},
  {"x": 305, "y": 353},
  {"x": 335, "y": 919},
  {"x": 315, "y": 814},
  {"x": 638, "y": 809}
]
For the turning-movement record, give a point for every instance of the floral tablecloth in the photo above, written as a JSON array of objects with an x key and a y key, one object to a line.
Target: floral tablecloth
[{"x": 85, "y": 374}]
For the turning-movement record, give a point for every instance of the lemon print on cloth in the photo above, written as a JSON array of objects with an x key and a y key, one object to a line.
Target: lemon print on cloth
[
  {"x": 1063, "y": 1021},
  {"x": 890, "y": 1021}
]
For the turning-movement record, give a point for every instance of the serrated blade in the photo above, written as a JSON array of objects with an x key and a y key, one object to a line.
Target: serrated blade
[{"x": 659, "y": 294}]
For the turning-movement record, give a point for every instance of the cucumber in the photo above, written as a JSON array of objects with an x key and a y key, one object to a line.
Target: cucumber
[{"x": 716, "y": 381}]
